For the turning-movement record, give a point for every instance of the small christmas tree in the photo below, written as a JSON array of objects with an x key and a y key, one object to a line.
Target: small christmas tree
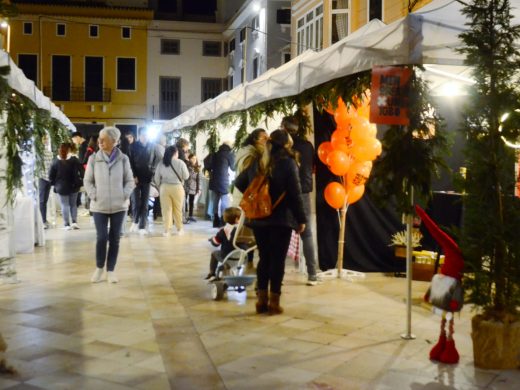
[{"x": 491, "y": 211}]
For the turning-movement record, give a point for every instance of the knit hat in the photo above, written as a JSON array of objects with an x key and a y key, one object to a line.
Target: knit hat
[{"x": 453, "y": 261}]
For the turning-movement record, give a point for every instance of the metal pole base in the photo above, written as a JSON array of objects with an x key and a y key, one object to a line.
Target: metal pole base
[{"x": 410, "y": 336}]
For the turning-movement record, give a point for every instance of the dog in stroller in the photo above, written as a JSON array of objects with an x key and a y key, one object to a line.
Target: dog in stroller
[{"x": 230, "y": 272}]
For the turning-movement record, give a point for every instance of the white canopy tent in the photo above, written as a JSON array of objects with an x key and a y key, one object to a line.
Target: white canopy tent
[
  {"x": 428, "y": 36},
  {"x": 17, "y": 81}
]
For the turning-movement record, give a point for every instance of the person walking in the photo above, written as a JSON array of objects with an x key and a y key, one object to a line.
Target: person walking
[
  {"x": 66, "y": 175},
  {"x": 44, "y": 183},
  {"x": 273, "y": 233},
  {"x": 305, "y": 155},
  {"x": 169, "y": 178},
  {"x": 144, "y": 159},
  {"x": 109, "y": 183},
  {"x": 192, "y": 185},
  {"x": 219, "y": 165}
]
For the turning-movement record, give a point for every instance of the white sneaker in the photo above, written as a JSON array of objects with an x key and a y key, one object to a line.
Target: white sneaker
[
  {"x": 143, "y": 232},
  {"x": 86, "y": 213},
  {"x": 134, "y": 228},
  {"x": 67, "y": 227},
  {"x": 96, "y": 276},
  {"x": 166, "y": 234},
  {"x": 74, "y": 226},
  {"x": 180, "y": 232},
  {"x": 111, "y": 277}
]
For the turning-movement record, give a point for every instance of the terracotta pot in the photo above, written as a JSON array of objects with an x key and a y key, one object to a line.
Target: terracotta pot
[{"x": 496, "y": 345}]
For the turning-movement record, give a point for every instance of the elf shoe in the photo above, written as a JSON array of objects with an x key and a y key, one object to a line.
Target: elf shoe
[
  {"x": 438, "y": 349},
  {"x": 450, "y": 354}
]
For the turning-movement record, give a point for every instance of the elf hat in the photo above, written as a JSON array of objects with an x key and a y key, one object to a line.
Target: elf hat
[{"x": 453, "y": 261}]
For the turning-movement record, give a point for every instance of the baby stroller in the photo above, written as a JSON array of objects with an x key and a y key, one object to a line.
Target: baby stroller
[{"x": 230, "y": 271}]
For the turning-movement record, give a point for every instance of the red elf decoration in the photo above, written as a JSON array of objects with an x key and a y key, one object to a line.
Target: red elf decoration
[{"x": 445, "y": 292}]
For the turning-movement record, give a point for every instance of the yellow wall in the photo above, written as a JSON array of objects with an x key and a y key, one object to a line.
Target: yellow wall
[{"x": 125, "y": 106}]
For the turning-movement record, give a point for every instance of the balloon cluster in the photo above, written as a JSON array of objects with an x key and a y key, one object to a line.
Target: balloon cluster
[{"x": 349, "y": 154}]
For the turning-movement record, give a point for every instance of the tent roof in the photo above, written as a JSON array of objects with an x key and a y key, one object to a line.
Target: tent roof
[
  {"x": 17, "y": 81},
  {"x": 428, "y": 36}
]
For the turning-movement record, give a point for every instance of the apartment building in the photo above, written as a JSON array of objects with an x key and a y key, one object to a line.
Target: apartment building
[
  {"x": 316, "y": 24},
  {"x": 90, "y": 58}
]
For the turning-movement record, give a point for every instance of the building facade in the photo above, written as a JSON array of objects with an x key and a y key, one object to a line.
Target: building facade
[
  {"x": 186, "y": 66},
  {"x": 91, "y": 60},
  {"x": 317, "y": 24},
  {"x": 257, "y": 38}
]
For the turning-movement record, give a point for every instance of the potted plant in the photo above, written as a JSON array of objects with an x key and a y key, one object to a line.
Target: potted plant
[
  {"x": 398, "y": 241},
  {"x": 489, "y": 238}
]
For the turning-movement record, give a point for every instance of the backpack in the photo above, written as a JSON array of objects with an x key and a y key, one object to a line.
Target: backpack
[{"x": 256, "y": 201}]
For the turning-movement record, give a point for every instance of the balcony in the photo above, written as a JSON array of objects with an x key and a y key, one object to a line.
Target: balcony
[{"x": 78, "y": 94}]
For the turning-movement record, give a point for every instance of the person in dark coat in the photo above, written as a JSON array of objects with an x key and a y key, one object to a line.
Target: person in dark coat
[
  {"x": 218, "y": 166},
  {"x": 273, "y": 233},
  {"x": 66, "y": 175},
  {"x": 144, "y": 158},
  {"x": 305, "y": 154}
]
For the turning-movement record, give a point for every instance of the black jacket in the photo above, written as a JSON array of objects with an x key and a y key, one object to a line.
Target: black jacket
[
  {"x": 285, "y": 178},
  {"x": 218, "y": 166},
  {"x": 306, "y": 153},
  {"x": 66, "y": 175},
  {"x": 143, "y": 160}
]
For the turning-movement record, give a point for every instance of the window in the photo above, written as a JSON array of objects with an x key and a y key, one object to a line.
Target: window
[
  {"x": 226, "y": 49},
  {"x": 169, "y": 95},
  {"x": 340, "y": 20},
  {"x": 211, "y": 49},
  {"x": 309, "y": 30},
  {"x": 375, "y": 9},
  {"x": 255, "y": 23},
  {"x": 230, "y": 82},
  {"x": 210, "y": 88},
  {"x": 93, "y": 31},
  {"x": 94, "y": 79},
  {"x": 27, "y": 28},
  {"x": 283, "y": 16},
  {"x": 126, "y": 32},
  {"x": 232, "y": 45},
  {"x": 170, "y": 46},
  {"x": 286, "y": 57},
  {"x": 243, "y": 33},
  {"x": 126, "y": 74},
  {"x": 61, "y": 76},
  {"x": 28, "y": 63},
  {"x": 256, "y": 69},
  {"x": 60, "y": 29}
]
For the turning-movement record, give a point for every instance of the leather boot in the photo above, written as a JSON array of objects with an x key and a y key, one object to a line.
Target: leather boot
[
  {"x": 261, "y": 302},
  {"x": 274, "y": 304},
  {"x": 216, "y": 221}
]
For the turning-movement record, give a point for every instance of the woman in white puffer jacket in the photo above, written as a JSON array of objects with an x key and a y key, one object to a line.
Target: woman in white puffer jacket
[{"x": 109, "y": 182}]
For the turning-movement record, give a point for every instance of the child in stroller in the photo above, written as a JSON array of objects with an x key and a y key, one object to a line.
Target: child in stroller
[{"x": 227, "y": 265}]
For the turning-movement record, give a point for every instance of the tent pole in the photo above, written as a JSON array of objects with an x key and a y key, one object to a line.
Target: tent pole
[{"x": 409, "y": 225}]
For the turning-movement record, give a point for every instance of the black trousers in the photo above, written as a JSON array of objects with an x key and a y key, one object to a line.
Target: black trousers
[{"x": 273, "y": 243}]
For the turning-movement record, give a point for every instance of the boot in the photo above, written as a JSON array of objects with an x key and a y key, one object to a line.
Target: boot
[
  {"x": 450, "y": 355},
  {"x": 216, "y": 221},
  {"x": 274, "y": 304},
  {"x": 261, "y": 302},
  {"x": 436, "y": 351}
]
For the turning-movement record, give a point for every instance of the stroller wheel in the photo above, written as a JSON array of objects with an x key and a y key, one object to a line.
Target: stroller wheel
[{"x": 217, "y": 291}]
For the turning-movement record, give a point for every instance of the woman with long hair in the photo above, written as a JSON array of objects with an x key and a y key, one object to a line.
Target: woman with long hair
[
  {"x": 273, "y": 233},
  {"x": 169, "y": 178}
]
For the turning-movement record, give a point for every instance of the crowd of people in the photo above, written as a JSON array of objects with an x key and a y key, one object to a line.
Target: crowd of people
[{"x": 119, "y": 174}]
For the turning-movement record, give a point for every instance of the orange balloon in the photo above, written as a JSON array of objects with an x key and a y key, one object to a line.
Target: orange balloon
[
  {"x": 358, "y": 173},
  {"x": 335, "y": 195},
  {"x": 339, "y": 137},
  {"x": 367, "y": 149},
  {"x": 323, "y": 151},
  {"x": 338, "y": 162},
  {"x": 355, "y": 193},
  {"x": 360, "y": 129},
  {"x": 364, "y": 111}
]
